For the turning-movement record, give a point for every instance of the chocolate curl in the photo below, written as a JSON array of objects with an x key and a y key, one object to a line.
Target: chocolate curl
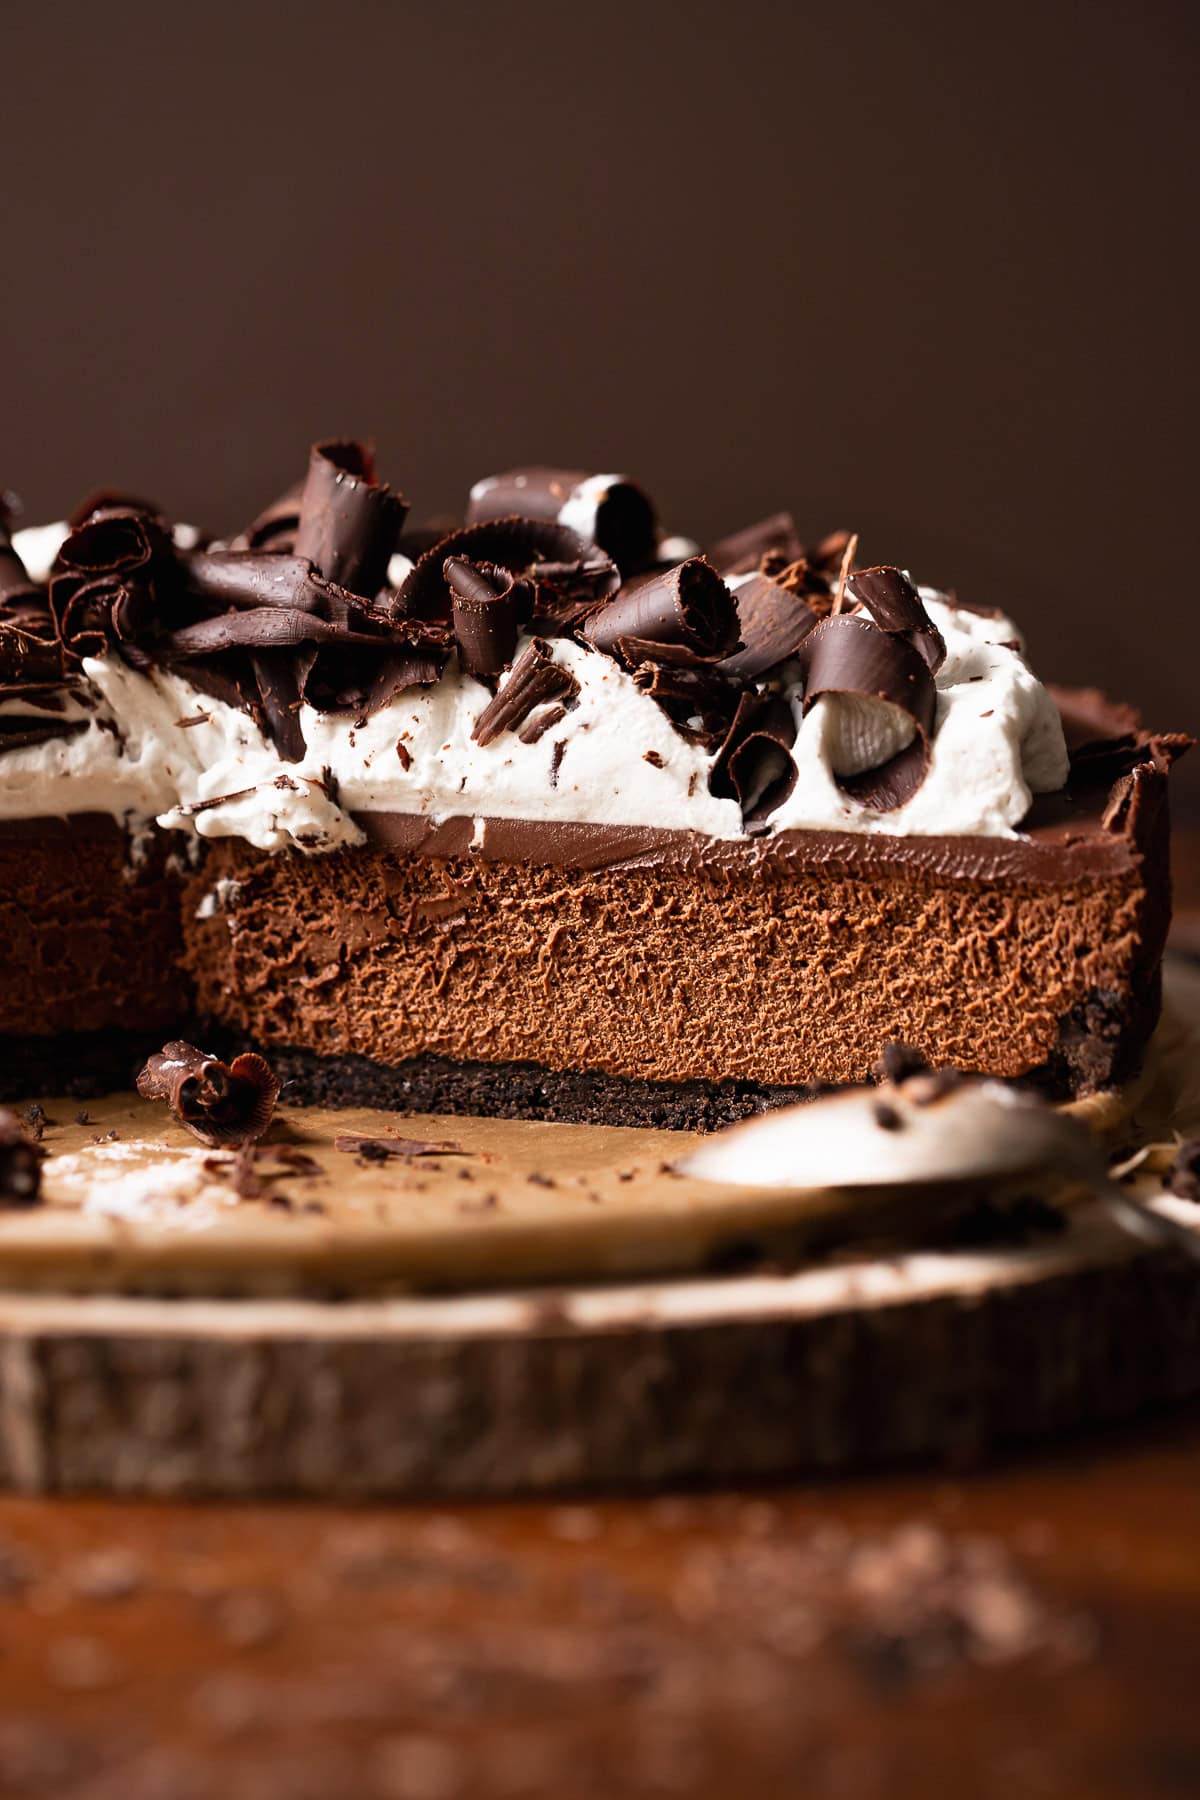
[
  {"x": 684, "y": 615},
  {"x": 566, "y": 560},
  {"x": 350, "y": 523},
  {"x": 20, "y": 1164},
  {"x": 772, "y": 624},
  {"x": 346, "y": 678},
  {"x": 116, "y": 572},
  {"x": 699, "y": 702},
  {"x": 30, "y": 654},
  {"x": 742, "y": 552},
  {"x": 219, "y": 1103},
  {"x": 754, "y": 765},
  {"x": 279, "y": 694},
  {"x": 233, "y": 578},
  {"x": 565, "y": 594},
  {"x": 848, "y": 654},
  {"x": 895, "y": 605},
  {"x": 263, "y": 628},
  {"x": 485, "y": 614},
  {"x": 275, "y": 527},
  {"x": 535, "y": 678},
  {"x": 609, "y": 510}
]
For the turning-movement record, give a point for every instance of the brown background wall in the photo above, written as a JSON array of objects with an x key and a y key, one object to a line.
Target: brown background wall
[{"x": 927, "y": 270}]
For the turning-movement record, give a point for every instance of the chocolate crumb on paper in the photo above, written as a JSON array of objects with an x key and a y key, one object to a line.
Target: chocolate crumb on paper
[
  {"x": 20, "y": 1164},
  {"x": 380, "y": 1149}
]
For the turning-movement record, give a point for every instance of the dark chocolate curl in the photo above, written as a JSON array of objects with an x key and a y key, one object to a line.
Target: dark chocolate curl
[
  {"x": 699, "y": 701},
  {"x": 609, "y": 510},
  {"x": 895, "y": 605},
  {"x": 279, "y": 694},
  {"x": 30, "y": 654},
  {"x": 535, "y": 678},
  {"x": 754, "y": 765},
  {"x": 772, "y": 622},
  {"x": 233, "y": 578},
  {"x": 115, "y": 579},
  {"x": 685, "y": 614},
  {"x": 484, "y": 605},
  {"x": 275, "y": 526},
  {"x": 263, "y": 627},
  {"x": 848, "y": 654},
  {"x": 350, "y": 523},
  {"x": 742, "y": 552},
  {"x": 568, "y": 562},
  {"x": 221, "y": 1104},
  {"x": 20, "y": 1164}
]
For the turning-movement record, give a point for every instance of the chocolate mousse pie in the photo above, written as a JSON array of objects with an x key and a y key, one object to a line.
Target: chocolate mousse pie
[{"x": 551, "y": 814}]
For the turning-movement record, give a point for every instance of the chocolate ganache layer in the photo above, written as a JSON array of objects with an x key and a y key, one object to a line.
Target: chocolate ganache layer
[{"x": 550, "y": 805}]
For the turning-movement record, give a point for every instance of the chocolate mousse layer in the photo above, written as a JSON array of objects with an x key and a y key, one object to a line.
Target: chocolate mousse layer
[
  {"x": 90, "y": 924},
  {"x": 578, "y": 972}
]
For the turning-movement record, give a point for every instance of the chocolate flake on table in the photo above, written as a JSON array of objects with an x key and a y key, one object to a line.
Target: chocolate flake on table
[
  {"x": 221, "y": 1104},
  {"x": 609, "y": 510},
  {"x": 20, "y": 1164},
  {"x": 379, "y": 1149},
  {"x": 754, "y": 765},
  {"x": 350, "y": 523},
  {"x": 773, "y": 622},
  {"x": 484, "y": 610},
  {"x": 535, "y": 678},
  {"x": 35, "y": 1121},
  {"x": 849, "y": 654},
  {"x": 682, "y": 615},
  {"x": 558, "y": 575},
  {"x": 1183, "y": 1177}
]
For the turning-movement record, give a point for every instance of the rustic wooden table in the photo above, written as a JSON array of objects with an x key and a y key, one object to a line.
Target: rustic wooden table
[{"x": 1029, "y": 1630}]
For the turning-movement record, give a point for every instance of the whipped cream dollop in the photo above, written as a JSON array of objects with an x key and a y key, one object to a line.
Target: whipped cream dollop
[{"x": 155, "y": 747}]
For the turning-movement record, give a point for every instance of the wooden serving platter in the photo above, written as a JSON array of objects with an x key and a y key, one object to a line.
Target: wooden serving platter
[{"x": 549, "y": 1307}]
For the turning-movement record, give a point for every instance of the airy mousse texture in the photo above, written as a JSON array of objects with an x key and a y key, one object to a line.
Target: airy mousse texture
[{"x": 551, "y": 815}]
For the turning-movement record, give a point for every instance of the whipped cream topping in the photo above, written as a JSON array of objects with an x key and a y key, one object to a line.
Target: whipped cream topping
[{"x": 157, "y": 748}]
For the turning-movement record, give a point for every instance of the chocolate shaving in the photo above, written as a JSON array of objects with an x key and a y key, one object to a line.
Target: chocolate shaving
[
  {"x": 773, "y": 622},
  {"x": 683, "y": 615},
  {"x": 21, "y": 733},
  {"x": 279, "y": 694},
  {"x": 609, "y": 510},
  {"x": 275, "y": 526},
  {"x": 379, "y": 1149},
  {"x": 848, "y": 654},
  {"x": 350, "y": 523},
  {"x": 895, "y": 605},
  {"x": 540, "y": 722},
  {"x": 221, "y": 1104},
  {"x": 483, "y": 602},
  {"x": 571, "y": 571},
  {"x": 20, "y": 1164},
  {"x": 754, "y": 765},
  {"x": 115, "y": 581},
  {"x": 535, "y": 678},
  {"x": 250, "y": 580},
  {"x": 742, "y": 552},
  {"x": 699, "y": 702}
]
